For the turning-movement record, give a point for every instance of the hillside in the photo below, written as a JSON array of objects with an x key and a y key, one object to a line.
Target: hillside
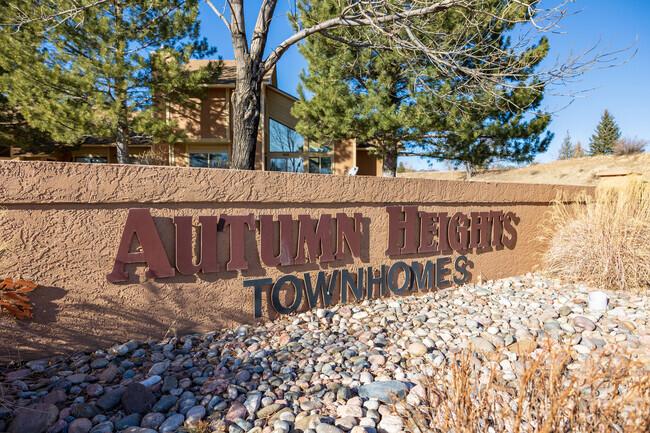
[{"x": 579, "y": 171}]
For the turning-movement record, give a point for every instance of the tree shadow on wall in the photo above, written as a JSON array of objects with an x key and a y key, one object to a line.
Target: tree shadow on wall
[
  {"x": 17, "y": 336},
  {"x": 110, "y": 319}
]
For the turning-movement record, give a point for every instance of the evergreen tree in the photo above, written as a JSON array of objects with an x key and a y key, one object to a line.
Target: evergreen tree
[
  {"x": 578, "y": 151},
  {"x": 566, "y": 148},
  {"x": 358, "y": 94},
  {"x": 16, "y": 132},
  {"x": 607, "y": 134},
  {"x": 375, "y": 96},
  {"x": 475, "y": 134},
  {"x": 107, "y": 72}
]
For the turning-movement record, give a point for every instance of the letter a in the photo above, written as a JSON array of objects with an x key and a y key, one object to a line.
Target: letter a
[{"x": 139, "y": 222}]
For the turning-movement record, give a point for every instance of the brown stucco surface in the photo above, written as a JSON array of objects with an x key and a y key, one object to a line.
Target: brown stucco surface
[{"x": 61, "y": 223}]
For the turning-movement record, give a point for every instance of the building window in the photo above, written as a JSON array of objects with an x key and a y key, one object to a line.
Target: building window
[
  {"x": 321, "y": 165},
  {"x": 291, "y": 165},
  {"x": 91, "y": 159},
  {"x": 289, "y": 151},
  {"x": 209, "y": 160},
  {"x": 284, "y": 139},
  {"x": 313, "y": 147}
]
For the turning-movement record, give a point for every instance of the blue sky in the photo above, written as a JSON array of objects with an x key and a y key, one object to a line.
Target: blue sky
[{"x": 623, "y": 90}]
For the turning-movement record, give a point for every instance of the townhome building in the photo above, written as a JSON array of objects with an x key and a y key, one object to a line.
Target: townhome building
[{"x": 208, "y": 137}]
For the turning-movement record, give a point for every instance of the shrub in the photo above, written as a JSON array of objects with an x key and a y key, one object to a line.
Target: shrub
[
  {"x": 551, "y": 395},
  {"x": 153, "y": 156},
  {"x": 603, "y": 240},
  {"x": 629, "y": 146}
]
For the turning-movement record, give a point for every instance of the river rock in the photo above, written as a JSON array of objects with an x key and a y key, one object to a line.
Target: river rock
[
  {"x": 84, "y": 410},
  {"x": 35, "y": 418},
  {"x": 584, "y": 323},
  {"x": 327, "y": 428},
  {"x": 80, "y": 425},
  {"x": 385, "y": 390},
  {"x": 237, "y": 410},
  {"x": 390, "y": 424},
  {"x": 137, "y": 399},
  {"x": 523, "y": 347},
  {"x": 478, "y": 344},
  {"x": 418, "y": 349},
  {"x": 171, "y": 424},
  {"x": 194, "y": 415}
]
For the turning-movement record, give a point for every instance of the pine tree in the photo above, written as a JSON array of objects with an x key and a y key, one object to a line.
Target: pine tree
[
  {"x": 607, "y": 134},
  {"x": 578, "y": 151},
  {"x": 566, "y": 148},
  {"x": 357, "y": 94},
  {"x": 107, "y": 72},
  {"x": 376, "y": 97},
  {"x": 17, "y": 133}
]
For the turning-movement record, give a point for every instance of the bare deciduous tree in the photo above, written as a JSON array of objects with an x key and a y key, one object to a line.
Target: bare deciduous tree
[{"x": 406, "y": 27}]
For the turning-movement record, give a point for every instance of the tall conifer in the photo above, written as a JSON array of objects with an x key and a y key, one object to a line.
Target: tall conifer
[
  {"x": 107, "y": 72},
  {"x": 607, "y": 134},
  {"x": 398, "y": 102},
  {"x": 16, "y": 132}
]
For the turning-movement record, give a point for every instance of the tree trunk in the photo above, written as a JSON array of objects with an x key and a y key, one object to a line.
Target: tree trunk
[
  {"x": 122, "y": 143},
  {"x": 389, "y": 161},
  {"x": 247, "y": 95},
  {"x": 245, "y": 117},
  {"x": 468, "y": 171},
  {"x": 122, "y": 133}
]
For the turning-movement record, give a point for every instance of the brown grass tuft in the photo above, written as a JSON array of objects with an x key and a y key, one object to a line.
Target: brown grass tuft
[
  {"x": 153, "y": 156},
  {"x": 630, "y": 146},
  {"x": 603, "y": 240},
  {"x": 199, "y": 427},
  {"x": 550, "y": 395}
]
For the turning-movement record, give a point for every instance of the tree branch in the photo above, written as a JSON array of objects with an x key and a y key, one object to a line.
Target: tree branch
[
  {"x": 358, "y": 20},
  {"x": 24, "y": 17},
  {"x": 220, "y": 15},
  {"x": 261, "y": 31}
]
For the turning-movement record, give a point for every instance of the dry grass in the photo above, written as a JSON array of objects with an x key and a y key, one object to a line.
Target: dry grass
[
  {"x": 605, "y": 240},
  {"x": 612, "y": 395},
  {"x": 153, "y": 156},
  {"x": 199, "y": 427},
  {"x": 578, "y": 171}
]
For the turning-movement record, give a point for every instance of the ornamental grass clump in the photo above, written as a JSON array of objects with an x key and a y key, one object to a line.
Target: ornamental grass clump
[
  {"x": 603, "y": 240},
  {"x": 552, "y": 393}
]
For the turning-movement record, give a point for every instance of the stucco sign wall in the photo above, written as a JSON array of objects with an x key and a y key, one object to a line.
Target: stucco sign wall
[
  {"x": 330, "y": 238},
  {"x": 124, "y": 252}
]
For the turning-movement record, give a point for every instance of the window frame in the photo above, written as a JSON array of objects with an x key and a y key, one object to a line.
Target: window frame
[
  {"x": 305, "y": 153},
  {"x": 91, "y": 158},
  {"x": 207, "y": 148},
  {"x": 208, "y": 160}
]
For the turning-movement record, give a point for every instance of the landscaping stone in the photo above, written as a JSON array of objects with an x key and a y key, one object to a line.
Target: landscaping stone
[
  {"x": 584, "y": 323},
  {"x": 35, "y": 418},
  {"x": 171, "y": 424},
  {"x": 80, "y": 425},
  {"x": 137, "y": 399},
  {"x": 110, "y": 399},
  {"x": 331, "y": 370},
  {"x": 478, "y": 344},
  {"x": 385, "y": 391}
]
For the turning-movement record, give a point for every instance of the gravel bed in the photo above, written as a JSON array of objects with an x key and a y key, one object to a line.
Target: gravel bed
[{"x": 329, "y": 370}]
